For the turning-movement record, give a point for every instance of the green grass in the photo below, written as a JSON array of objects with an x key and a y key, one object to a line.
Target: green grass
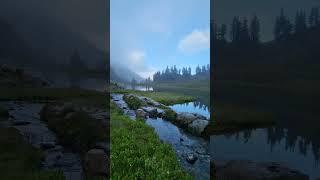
[
  {"x": 80, "y": 96},
  {"x": 137, "y": 152},
  {"x": 202, "y": 86},
  {"x": 19, "y": 160},
  {"x": 166, "y": 98}
]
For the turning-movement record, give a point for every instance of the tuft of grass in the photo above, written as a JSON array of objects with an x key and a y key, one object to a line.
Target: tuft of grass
[
  {"x": 166, "y": 98},
  {"x": 170, "y": 115},
  {"x": 133, "y": 102},
  {"x": 19, "y": 160},
  {"x": 137, "y": 152}
]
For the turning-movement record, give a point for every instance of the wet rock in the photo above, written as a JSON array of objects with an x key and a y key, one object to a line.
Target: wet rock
[
  {"x": 160, "y": 112},
  {"x": 102, "y": 145},
  {"x": 181, "y": 139},
  {"x": 198, "y": 126},
  {"x": 152, "y": 111},
  {"x": 184, "y": 118},
  {"x": 140, "y": 113},
  {"x": 191, "y": 158},
  {"x": 256, "y": 171},
  {"x": 199, "y": 116},
  {"x": 96, "y": 162},
  {"x": 20, "y": 123},
  {"x": 47, "y": 145}
]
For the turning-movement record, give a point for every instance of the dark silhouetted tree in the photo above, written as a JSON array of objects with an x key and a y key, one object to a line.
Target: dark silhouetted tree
[
  {"x": 255, "y": 29},
  {"x": 235, "y": 30},
  {"x": 300, "y": 22},
  {"x": 283, "y": 27}
]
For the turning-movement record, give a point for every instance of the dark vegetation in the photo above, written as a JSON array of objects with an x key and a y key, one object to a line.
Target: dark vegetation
[
  {"x": 174, "y": 74},
  {"x": 133, "y": 102},
  {"x": 75, "y": 128},
  {"x": 19, "y": 159},
  {"x": 170, "y": 115},
  {"x": 4, "y": 113},
  {"x": 79, "y": 96}
]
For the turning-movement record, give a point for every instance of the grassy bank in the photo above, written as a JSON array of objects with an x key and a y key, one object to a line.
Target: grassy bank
[
  {"x": 81, "y": 96},
  {"x": 19, "y": 160},
  {"x": 137, "y": 152},
  {"x": 198, "y": 86},
  {"x": 166, "y": 98}
]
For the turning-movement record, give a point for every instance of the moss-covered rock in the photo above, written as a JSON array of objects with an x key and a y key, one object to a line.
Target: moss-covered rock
[
  {"x": 169, "y": 115},
  {"x": 74, "y": 127},
  {"x": 133, "y": 101}
]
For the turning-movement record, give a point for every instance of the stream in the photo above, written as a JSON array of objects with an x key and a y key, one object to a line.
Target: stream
[
  {"x": 24, "y": 116},
  {"x": 182, "y": 142}
]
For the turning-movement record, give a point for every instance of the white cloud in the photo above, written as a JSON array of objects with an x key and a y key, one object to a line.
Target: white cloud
[
  {"x": 196, "y": 41},
  {"x": 136, "y": 57},
  {"x": 136, "y": 62}
]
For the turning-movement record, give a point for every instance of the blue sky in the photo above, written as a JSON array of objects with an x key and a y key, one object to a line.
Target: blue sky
[{"x": 148, "y": 35}]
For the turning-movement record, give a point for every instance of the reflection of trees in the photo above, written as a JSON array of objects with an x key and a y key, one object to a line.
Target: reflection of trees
[
  {"x": 201, "y": 105},
  {"x": 292, "y": 141}
]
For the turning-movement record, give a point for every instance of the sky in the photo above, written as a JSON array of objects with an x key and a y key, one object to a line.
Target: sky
[
  {"x": 148, "y": 35},
  {"x": 224, "y": 10}
]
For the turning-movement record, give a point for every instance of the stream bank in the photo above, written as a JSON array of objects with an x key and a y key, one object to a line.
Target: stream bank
[{"x": 192, "y": 151}]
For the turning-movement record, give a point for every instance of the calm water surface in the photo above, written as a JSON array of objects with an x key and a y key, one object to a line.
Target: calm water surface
[{"x": 268, "y": 144}]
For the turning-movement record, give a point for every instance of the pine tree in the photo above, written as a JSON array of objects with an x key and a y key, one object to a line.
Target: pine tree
[
  {"x": 235, "y": 29},
  {"x": 255, "y": 29}
]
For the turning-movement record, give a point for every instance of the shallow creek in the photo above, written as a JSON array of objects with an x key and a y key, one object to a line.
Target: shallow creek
[
  {"x": 182, "y": 142},
  {"x": 25, "y": 117}
]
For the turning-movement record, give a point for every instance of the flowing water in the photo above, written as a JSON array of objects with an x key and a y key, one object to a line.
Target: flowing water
[{"x": 182, "y": 142}]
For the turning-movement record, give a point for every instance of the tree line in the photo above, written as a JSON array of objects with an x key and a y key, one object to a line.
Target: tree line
[
  {"x": 175, "y": 74},
  {"x": 242, "y": 30}
]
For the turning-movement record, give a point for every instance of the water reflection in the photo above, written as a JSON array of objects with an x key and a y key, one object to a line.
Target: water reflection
[
  {"x": 138, "y": 87},
  {"x": 269, "y": 144},
  {"x": 192, "y": 107}
]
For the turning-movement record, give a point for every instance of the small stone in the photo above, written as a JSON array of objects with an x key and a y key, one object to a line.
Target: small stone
[
  {"x": 47, "y": 145},
  {"x": 191, "y": 158}
]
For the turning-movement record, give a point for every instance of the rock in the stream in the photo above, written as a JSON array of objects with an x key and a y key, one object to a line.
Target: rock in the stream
[
  {"x": 249, "y": 170},
  {"x": 47, "y": 145},
  {"x": 191, "y": 158},
  {"x": 140, "y": 113},
  {"x": 152, "y": 111},
  {"x": 20, "y": 123},
  {"x": 197, "y": 126},
  {"x": 102, "y": 145},
  {"x": 199, "y": 116},
  {"x": 160, "y": 112},
  {"x": 96, "y": 162},
  {"x": 185, "y": 118}
]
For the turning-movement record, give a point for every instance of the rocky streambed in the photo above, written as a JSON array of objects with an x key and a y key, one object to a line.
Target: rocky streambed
[
  {"x": 26, "y": 117},
  {"x": 181, "y": 130}
]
